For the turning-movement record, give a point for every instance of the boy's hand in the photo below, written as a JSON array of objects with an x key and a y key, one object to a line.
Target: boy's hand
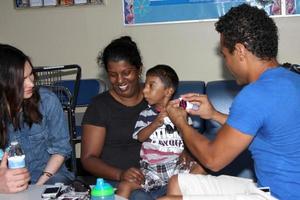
[
  {"x": 185, "y": 159},
  {"x": 159, "y": 120},
  {"x": 132, "y": 175}
]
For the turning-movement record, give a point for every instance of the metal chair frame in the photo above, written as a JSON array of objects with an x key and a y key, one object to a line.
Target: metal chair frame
[{"x": 52, "y": 77}]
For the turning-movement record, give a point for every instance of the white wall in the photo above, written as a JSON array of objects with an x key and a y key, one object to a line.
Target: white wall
[{"x": 64, "y": 35}]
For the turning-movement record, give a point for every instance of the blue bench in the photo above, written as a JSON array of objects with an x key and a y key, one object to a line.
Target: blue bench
[{"x": 221, "y": 94}]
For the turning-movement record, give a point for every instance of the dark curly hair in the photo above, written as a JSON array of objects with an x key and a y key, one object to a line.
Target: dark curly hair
[
  {"x": 121, "y": 49},
  {"x": 252, "y": 27}
]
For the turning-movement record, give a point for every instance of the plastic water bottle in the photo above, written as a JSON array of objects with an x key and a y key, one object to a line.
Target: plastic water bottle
[
  {"x": 102, "y": 191},
  {"x": 16, "y": 156},
  {"x": 1, "y": 154}
]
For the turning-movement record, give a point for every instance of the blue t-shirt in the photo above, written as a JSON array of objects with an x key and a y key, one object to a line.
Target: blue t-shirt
[{"x": 269, "y": 110}]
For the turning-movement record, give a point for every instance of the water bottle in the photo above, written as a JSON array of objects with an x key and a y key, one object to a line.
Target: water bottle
[
  {"x": 102, "y": 191},
  {"x": 16, "y": 157},
  {"x": 1, "y": 154}
]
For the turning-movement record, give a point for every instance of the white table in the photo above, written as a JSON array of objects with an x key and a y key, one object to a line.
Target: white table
[{"x": 33, "y": 193}]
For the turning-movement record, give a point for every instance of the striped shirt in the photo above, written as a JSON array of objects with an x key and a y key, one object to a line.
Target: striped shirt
[{"x": 164, "y": 144}]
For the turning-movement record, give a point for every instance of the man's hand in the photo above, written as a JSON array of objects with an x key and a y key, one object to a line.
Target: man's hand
[
  {"x": 186, "y": 159},
  {"x": 177, "y": 114},
  {"x": 206, "y": 109},
  {"x": 12, "y": 180}
]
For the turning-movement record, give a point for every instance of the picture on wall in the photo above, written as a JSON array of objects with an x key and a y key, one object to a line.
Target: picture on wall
[
  {"x": 137, "y": 12},
  {"x": 54, "y": 3}
]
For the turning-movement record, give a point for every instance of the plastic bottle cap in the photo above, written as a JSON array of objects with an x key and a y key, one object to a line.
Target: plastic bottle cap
[
  {"x": 14, "y": 143},
  {"x": 102, "y": 188}
]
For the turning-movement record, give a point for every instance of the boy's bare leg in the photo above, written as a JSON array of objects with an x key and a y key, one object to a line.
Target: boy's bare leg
[
  {"x": 125, "y": 188},
  {"x": 173, "y": 192},
  {"x": 173, "y": 186}
]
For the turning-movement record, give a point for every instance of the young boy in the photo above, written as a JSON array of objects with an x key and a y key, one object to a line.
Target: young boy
[{"x": 162, "y": 144}]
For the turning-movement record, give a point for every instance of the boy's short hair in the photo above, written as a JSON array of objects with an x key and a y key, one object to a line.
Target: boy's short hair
[{"x": 166, "y": 74}]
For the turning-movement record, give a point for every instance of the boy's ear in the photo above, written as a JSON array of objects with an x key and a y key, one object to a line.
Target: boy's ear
[{"x": 170, "y": 92}]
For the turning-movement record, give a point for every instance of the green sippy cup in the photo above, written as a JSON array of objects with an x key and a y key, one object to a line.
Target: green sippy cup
[{"x": 103, "y": 191}]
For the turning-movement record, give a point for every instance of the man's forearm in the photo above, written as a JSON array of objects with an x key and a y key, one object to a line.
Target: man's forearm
[
  {"x": 198, "y": 144},
  {"x": 219, "y": 117}
]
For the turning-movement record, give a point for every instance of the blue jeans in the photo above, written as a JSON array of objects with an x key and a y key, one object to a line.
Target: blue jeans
[
  {"x": 141, "y": 194},
  {"x": 152, "y": 195}
]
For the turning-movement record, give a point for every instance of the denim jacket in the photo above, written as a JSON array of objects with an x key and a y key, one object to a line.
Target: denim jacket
[{"x": 48, "y": 137}]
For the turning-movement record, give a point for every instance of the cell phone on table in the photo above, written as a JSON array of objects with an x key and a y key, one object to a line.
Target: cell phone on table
[{"x": 51, "y": 192}]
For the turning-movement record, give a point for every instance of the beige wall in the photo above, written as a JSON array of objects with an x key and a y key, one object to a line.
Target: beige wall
[{"x": 65, "y": 35}]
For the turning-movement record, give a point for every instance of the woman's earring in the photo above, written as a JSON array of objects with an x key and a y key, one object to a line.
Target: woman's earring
[{"x": 140, "y": 76}]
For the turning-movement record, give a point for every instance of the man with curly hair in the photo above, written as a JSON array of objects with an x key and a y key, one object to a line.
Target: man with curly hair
[{"x": 264, "y": 117}]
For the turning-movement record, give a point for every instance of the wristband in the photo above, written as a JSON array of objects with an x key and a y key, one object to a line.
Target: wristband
[{"x": 48, "y": 174}]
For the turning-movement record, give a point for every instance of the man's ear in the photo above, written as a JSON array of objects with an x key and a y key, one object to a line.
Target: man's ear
[{"x": 240, "y": 50}]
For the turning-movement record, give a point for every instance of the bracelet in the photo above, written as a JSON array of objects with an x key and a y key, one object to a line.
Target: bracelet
[{"x": 48, "y": 174}]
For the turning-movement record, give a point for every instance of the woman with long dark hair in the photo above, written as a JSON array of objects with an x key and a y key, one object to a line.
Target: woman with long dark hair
[{"x": 34, "y": 118}]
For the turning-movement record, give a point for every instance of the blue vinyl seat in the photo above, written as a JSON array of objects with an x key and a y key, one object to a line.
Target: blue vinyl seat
[
  {"x": 88, "y": 88},
  {"x": 221, "y": 95}
]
